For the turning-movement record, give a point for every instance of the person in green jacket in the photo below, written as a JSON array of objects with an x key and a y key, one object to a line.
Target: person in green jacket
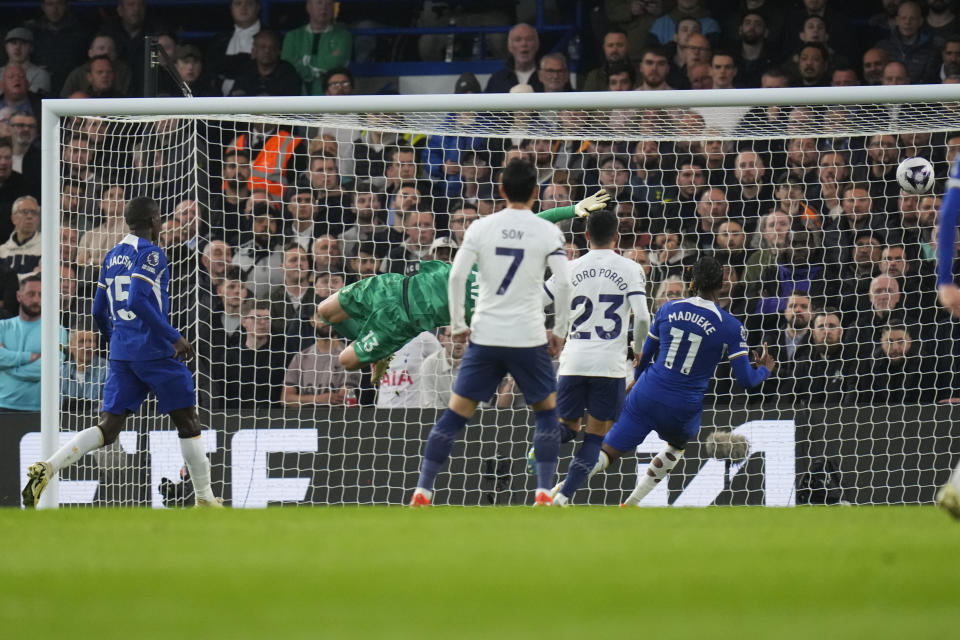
[
  {"x": 385, "y": 312},
  {"x": 317, "y": 47}
]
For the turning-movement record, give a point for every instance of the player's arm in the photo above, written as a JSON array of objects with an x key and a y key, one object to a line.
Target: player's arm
[
  {"x": 638, "y": 303},
  {"x": 583, "y": 208},
  {"x": 144, "y": 302},
  {"x": 562, "y": 289},
  {"x": 456, "y": 284},
  {"x": 946, "y": 243},
  {"x": 746, "y": 375},
  {"x": 101, "y": 312}
]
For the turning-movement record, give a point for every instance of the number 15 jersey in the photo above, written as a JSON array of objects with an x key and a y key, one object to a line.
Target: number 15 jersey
[
  {"x": 694, "y": 335},
  {"x": 132, "y": 337}
]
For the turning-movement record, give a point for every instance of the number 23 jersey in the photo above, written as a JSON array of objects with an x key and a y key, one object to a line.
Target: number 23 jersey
[{"x": 694, "y": 335}]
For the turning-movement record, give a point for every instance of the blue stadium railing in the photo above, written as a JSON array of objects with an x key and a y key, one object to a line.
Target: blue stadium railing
[{"x": 268, "y": 9}]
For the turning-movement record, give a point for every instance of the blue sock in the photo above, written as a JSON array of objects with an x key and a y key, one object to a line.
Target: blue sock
[
  {"x": 566, "y": 433},
  {"x": 546, "y": 447},
  {"x": 439, "y": 443},
  {"x": 583, "y": 462}
]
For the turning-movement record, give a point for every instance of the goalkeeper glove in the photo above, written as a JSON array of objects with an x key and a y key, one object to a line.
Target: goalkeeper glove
[{"x": 592, "y": 203}]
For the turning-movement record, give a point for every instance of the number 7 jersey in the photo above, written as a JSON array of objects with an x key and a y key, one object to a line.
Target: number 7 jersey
[
  {"x": 132, "y": 338},
  {"x": 694, "y": 335}
]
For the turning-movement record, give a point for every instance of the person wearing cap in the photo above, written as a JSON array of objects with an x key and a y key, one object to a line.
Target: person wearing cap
[
  {"x": 467, "y": 83},
  {"x": 19, "y": 47},
  {"x": 318, "y": 46},
  {"x": 189, "y": 64}
]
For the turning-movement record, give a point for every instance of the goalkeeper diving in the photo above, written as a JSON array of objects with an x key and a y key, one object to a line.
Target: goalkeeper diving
[{"x": 385, "y": 312}]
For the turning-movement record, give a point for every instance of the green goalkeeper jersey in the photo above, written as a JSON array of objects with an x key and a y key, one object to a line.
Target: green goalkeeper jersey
[{"x": 427, "y": 299}]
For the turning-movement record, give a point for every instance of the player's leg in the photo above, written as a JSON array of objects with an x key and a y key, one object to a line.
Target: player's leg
[
  {"x": 603, "y": 399},
  {"x": 571, "y": 403},
  {"x": 480, "y": 373},
  {"x": 336, "y": 316},
  {"x": 948, "y": 497},
  {"x": 172, "y": 383},
  {"x": 533, "y": 370},
  {"x": 194, "y": 455},
  {"x": 677, "y": 434},
  {"x": 123, "y": 393}
]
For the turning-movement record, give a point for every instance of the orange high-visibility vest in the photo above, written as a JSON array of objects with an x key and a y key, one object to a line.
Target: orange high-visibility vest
[{"x": 266, "y": 172}]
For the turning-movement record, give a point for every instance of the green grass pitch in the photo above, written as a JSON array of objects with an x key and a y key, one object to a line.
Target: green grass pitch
[{"x": 374, "y": 572}]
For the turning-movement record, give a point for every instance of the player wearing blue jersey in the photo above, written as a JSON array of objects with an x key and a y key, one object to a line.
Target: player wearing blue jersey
[
  {"x": 949, "y": 495},
  {"x": 147, "y": 354},
  {"x": 689, "y": 338}
]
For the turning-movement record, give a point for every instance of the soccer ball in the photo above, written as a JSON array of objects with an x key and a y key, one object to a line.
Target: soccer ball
[{"x": 915, "y": 175}]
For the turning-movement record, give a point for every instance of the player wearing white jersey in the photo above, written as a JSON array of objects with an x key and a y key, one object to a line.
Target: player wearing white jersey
[
  {"x": 511, "y": 249},
  {"x": 606, "y": 288}
]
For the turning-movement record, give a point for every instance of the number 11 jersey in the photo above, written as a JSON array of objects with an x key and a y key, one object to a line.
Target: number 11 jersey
[{"x": 694, "y": 335}]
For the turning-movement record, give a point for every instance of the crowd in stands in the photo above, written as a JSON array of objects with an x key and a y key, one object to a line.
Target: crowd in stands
[{"x": 826, "y": 260}]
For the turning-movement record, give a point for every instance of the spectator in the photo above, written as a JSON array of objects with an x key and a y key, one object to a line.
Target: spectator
[
  {"x": 19, "y": 48},
  {"x": 83, "y": 374},
  {"x": 751, "y": 195},
  {"x": 774, "y": 234},
  {"x": 231, "y": 294},
  {"x": 261, "y": 258},
  {"x": 17, "y": 97},
  {"x": 635, "y": 18},
  {"x": 664, "y": 28},
  {"x": 523, "y": 43},
  {"x": 9, "y": 285},
  {"x": 419, "y": 233},
  {"x": 59, "y": 40},
  {"x": 128, "y": 30},
  {"x": 20, "y": 351},
  {"x": 879, "y": 171},
  {"x": 189, "y": 64},
  {"x": 229, "y": 51},
  {"x": 894, "y": 73},
  {"x": 621, "y": 76},
  {"x": 941, "y": 21},
  {"x": 255, "y": 364},
  {"x": 723, "y": 70},
  {"x": 22, "y": 251},
  {"x": 884, "y": 306},
  {"x": 711, "y": 212},
  {"x": 917, "y": 288},
  {"x": 833, "y": 171},
  {"x": 822, "y": 378},
  {"x": 950, "y": 57},
  {"x": 480, "y": 13},
  {"x": 302, "y": 212},
  {"x": 731, "y": 244},
  {"x": 654, "y": 68},
  {"x": 812, "y": 65},
  {"x": 834, "y": 25},
  {"x": 553, "y": 73},
  {"x": 911, "y": 44},
  {"x": 26, "y": 149},
  {"x": 79, "y": 79},
  {"x": 101, "y": 79},
  {"x": 288, "y": 298},
  {"x": 12, "y": 186},
  {"x": 462, "y": 216},
  {"x": 789, "y": 345},
  {"x": 214, "y": 259},
  {"x": 267, "y": 74},
  {"x": 693, "y": 51},
  {"x": 364, "y": 263},
  {"x": 700, "y": 76},
  {"x": 440, "y": 370},
  {"x": 898, "y": 371},
  {"x": 844, "y": 77},
  {"x": 402, "y": 384},
  {"x": 615, "y": 45},
  {"x": 339, "y": 82},
  {"x": 671, "y": 288},
  {"x": 669, "y": 257},
  {"x": 366, "y": 210},
  {"x": 315, "y": 375},
  {"x": 753, "y": 55},
  {"x": 874, "y": 60},
  {"x": 317, "y": 47},
  {"x": 95, "y": 243},
  {"x": 679, "y": 210}
]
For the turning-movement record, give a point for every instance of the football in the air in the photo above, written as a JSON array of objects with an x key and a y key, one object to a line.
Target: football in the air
[{"x": 915, "y": 175}]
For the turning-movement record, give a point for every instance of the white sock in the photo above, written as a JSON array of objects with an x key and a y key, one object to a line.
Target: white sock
[
  {"x": 602, "y": 463},
  {"x": 79, "y": 445},
  {"x": 955, "y": 477},
  {"x": 198, "y": 465},
  {"x": 656, "y": 471}
]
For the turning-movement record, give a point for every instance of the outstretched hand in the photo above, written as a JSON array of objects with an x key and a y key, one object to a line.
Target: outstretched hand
[
  {"x": 594, "y": 202},
  {"x": 950, "y": 298},
  {"x": 764, "y": 359}
]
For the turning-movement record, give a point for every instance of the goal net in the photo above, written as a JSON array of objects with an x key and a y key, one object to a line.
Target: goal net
[{"x": 825, "y": 259}]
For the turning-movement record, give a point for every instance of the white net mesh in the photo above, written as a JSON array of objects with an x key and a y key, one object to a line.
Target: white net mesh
[{"x": 266, "y": 216}]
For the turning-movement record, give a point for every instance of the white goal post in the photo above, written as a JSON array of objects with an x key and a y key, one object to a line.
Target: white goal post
[{"x": 609, "y": 125}]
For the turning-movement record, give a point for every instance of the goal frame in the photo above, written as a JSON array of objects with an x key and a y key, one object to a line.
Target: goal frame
[{"x": 55, "y": 109}]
